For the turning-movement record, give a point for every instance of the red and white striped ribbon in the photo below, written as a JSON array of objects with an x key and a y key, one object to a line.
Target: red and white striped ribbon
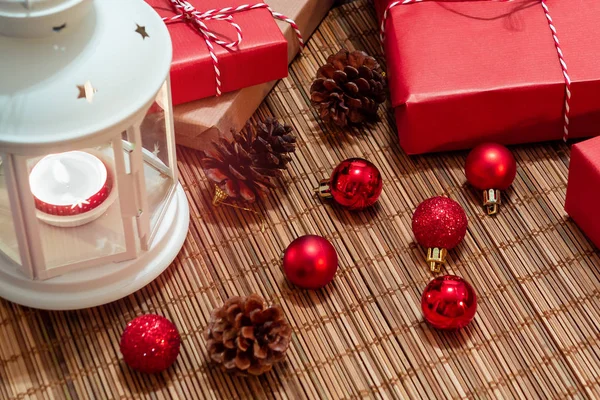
[
  {"x": 565, "y": 71},
  {"x": 189, "y": 13},
  {"x": 561, "y": 57}
]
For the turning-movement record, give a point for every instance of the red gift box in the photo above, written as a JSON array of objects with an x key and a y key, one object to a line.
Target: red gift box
[
  {"x": 260, "y": 57},
  {"x": 583, "y": 190},
  {"x": 462, "y": 73}
]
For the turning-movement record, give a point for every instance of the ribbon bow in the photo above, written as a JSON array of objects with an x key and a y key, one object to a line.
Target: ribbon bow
[
  {"x": 187, "y": 12},
  {"x": 561, "y": 57}
]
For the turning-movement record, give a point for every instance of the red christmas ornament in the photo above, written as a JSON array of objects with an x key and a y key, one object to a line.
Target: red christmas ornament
[
  {"x": 439, "y": 223},
  {"x": 310, "y": 262},
  {"x": 449, "y": 302},
  {"x": 355, "y": 184},
  {"x": 150, "y": 344},
  {"x": 491, "y": 167}
]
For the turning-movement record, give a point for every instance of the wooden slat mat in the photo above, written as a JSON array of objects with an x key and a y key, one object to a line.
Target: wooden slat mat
[{"x": 537, "y": 276}]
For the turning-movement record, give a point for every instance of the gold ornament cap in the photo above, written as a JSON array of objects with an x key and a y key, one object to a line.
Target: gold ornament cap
[
  {"x": 219, "y": 196},
  {"x": 324, "y": 189},
  {"x": 491, "y": 201},
  {"x": 436, "y": 256}
]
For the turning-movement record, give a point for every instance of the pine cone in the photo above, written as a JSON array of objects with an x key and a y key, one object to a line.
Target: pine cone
[
  {"x": 349, "y": 88},
  {"x": 247, "y": 338},
  {"x": 247, "y": 167}
]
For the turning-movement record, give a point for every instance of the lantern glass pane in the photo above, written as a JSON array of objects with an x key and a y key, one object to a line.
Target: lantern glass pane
[
  {"x": 80, "y": 213},
  {"x": 9, "y": 246},
  {"x": 158, "y": 147}
]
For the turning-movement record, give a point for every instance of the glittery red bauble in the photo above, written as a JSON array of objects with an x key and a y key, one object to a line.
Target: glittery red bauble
[
  {"x": 356, "y": 183},
  {"x": 310, "y": 262},
  {"x": 439, "y": 222},
  {"x": 150, "y": 343},
  {"x": 490, "y": 166},
  {"x": 449, "y": 302}
]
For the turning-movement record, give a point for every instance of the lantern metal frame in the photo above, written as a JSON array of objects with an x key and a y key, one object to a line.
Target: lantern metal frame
[{"x": 53, "y": 107}]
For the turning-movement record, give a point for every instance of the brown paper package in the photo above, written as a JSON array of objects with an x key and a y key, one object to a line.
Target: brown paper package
[{"x": 199, "y": 122}]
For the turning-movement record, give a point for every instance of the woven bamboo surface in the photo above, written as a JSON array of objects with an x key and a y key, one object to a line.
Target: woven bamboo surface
[{"x": 535, "y": 335}]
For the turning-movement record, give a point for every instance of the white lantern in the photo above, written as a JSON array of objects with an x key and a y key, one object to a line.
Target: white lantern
[{"x": 90, "y": 206}]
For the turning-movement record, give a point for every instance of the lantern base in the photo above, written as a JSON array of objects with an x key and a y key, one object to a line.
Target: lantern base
[{"x": 105, "y": 283}]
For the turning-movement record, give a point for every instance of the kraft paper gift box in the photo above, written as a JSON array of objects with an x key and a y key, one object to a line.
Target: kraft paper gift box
[{"x": 197, "y": 123}]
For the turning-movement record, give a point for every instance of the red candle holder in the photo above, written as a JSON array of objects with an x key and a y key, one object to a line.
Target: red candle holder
[{"x": 50, "y": 182}]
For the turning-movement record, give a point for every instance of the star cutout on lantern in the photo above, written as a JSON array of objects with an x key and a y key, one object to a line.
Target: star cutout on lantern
[
  {"x": 79, "y": 204},
  {"x": 86, "y": 91},
  {"x": 59, "y": 28},
  {"x": 156, "y": 149},
  {"x": 142, "y": 31}
]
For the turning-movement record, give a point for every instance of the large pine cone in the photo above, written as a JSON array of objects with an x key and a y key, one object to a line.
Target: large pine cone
[
  {"x": 247, "y": 338},
  {"x": 349, "y": 88},
  {"x": 247, "y": 167}
]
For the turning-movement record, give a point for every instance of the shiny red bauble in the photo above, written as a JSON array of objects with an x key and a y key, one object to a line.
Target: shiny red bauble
[
  {"x": 355, "y": 184},
  {"x": 439, "y": 222},
  {"x": 310, "y": 262},
  {"x": 150, "y": 344},
  {"x": 490, "y": 166},
  {"x": 449, "y": 302}
]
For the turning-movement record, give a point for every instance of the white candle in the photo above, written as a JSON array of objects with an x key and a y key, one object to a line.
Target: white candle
[{"x": 74, "y": 180}]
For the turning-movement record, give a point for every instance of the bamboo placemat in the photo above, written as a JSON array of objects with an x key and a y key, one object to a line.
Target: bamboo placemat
[{"x": 537, "y": 276}]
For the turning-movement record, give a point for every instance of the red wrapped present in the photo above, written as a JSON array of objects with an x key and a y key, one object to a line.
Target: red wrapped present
[
  {"x": 260, "y": 57},
  {"x": 583, "y": 190},
  {"x": 467, "y": 72}
]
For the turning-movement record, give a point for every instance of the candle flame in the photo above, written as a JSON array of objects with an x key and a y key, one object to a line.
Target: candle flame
[{"x": 60, "y": 172}]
